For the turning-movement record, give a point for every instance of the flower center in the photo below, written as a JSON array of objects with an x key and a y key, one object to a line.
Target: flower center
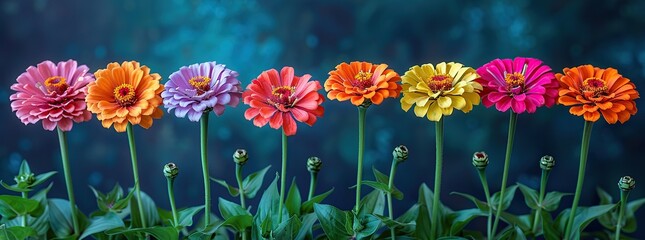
[
  {"x": 362, "y": 79},
  {"x": 514, "y": 80},
  {"x": 56, "y": 84},
  {"x": 592, "y": 87},
  {"x": 200, "y": 83},
  {"x": 441, "y": 82},
  {"x": 283, "y": 97},
  {"x": 124, "y": 95}
]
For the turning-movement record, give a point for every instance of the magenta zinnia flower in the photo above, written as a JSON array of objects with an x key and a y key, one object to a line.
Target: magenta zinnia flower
[
  {"x": 53, "y": 93},
  {"x": 523, "y": 84},
  {"x": 201, "y": 87}
]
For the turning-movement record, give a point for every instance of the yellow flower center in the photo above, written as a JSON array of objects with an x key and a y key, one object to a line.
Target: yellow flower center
[
  {"x": 200, "y": 83},
  {"x": 125, "y": 95},
  {"x": 362, "y": 79},
  {"x": 514, "y": 80},
  {"x": 441, "y": 82},
  {"x": 283, "y": 97},
  {"x": 592, "y": 87},
  {"x": 56, "y": 84}
]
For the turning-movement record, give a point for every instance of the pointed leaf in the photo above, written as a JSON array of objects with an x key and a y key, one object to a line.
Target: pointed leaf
[
  {"x": 60, "y": 217},
  {"x": 586, "y": 215},
  {"x": 552, "y": 200},
  {"x": 292, "y": 203},
  {"x": 12, "y": 206},
  {"x": 423, "y": 223},
  {"x": 372, "y": 203},
  {"x": 308, "y": 206},
  {"x": 365, "y": 226},
  {"x": 149, "y": 210},
  {"x": 103, "y": 223},
  {"x": 308, "y": 221},
  {"x": 157, "y": 231},
  {"x": 288, "y": 230},
  {"x": 185, "y": 217},
  {"x": 253, "y": 182},
  {"x": 459, "y": 219},
  {"x": 232, "y": 190},
  {"x": 548, "y": 227},
  {"x": 605, "y": 198},
  {"x": 508, "y": 197},
  {"x": 530, "y": 196},
  {"x": 333, "y": 221},
  {"x": 14, "y": 187},
  {"x": 382, "y": 178},
  {"x": 630, "y": 210},
  {"x": 16, "y": 232},
  {"x": 481, "y": 205},
  {"x": 24, "y": 168},
  {"x": 42, "y": 178}
]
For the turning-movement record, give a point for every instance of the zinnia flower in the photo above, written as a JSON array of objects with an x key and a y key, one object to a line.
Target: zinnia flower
[
  {"x": 278, "y": 98},
  {"x": 125, "y": 93},
  {"x": 591, "y": 91},
  {"x": 201, "y": 87},
  {"x": 523, "y": 84},
  {"x": 361, "y": 81},
  {"x": 437, "y": 91},
  {"x": 53, "y": 93}
]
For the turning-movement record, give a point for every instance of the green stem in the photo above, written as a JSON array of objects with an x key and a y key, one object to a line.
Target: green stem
[
  {"x": 507, "y": 162},
  {"x": 24, "y": 218},
  {"x": 361, "y": 149},
  {"x": 171, "y": 197},
  {"x": 543, "y": 181},
  {"x": 312, "y": 185},
  {"x": 135, "y": 173},
  {"x": 283, "y": 176},
  {"x": 390, "y": 186},
  {"x": 62, "y": 140},
  {"x": 437, "y": 178},
  {"x": 238, "y": 176},
  {"x": 484, "y": 181},
  {"x": 621, "y": 213},
  {"x": 203, "y": 138},
  {"x": 584, "y": 150}
]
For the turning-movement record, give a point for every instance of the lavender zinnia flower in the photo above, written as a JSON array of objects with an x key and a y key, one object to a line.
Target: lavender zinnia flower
[{"x": 201, "y": 87}]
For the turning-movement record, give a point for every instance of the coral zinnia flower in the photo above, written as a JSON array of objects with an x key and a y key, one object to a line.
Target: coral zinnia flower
[
  {"x": 201, "y": 87},
  {"x": 436, "y": 91},
  {"x": 278, "y": 98},
  {"x": 360, "y": 81},
  {"x": 53, "y": 93},
  {"x": 523, "y": 84},
  {"x": 125, "y": 93},
  {"x": 591, "y": 91}
]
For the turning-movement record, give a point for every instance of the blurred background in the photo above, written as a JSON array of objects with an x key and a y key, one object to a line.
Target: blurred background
[{"x": 314, "y": 36}]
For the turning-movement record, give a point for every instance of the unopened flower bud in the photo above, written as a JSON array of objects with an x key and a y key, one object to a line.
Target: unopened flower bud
[
  {"x": 240, "y": 157},
  {"x": 314, "y": 164},
  {"x": 25, "y": 179},
  {"x": 547, "y": 163},
  {"x": 626, "y": 183},
  {"x": 400, "y": 153},
  {"x": 170, "y": 170},
  {"x": 480, "y": 160}
]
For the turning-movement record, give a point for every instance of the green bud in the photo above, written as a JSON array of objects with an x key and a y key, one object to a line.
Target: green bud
[
  {"x": 314, "y": 164},
  {"x": 240, "y": 157},
  {"x": 547, "y": 163},
  {"x": 480, "y": 160},
  {"x": 25, "y": 179},
  {"x": 366, "y": 103},
  {"x": 626, "y": 183},
  {"x": 400, "y": 153},
  {"x": 170, "y": 170}
]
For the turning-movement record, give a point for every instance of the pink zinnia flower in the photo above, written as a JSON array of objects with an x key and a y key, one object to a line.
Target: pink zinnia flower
[
  {"x": 53, "y": 93},
  {"x": 278, "y": 98},
  {"x": 523, "y": 84}
]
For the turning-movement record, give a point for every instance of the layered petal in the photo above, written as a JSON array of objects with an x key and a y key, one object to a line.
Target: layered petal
[{"x": 362, "y": 83}]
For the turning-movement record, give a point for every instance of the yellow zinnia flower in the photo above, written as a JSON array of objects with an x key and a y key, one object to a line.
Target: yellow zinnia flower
[{"x": 436, "y": 91}]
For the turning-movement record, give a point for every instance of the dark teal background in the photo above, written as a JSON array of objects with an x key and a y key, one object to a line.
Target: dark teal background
[{"x": 313, "y": 37}]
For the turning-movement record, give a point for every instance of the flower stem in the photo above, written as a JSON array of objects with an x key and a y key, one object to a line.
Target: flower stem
[
  {"x": 507, "y": 162},
  {"x": 484, "y": 181},
  {"x": 62, "y": 140},
  {"x": 24, "y": 218},
  {"x": 171, "y": 197},
  {"x": 390, "y": 186},
  {"x": 283, "y": 176},
  {"x": 238, "y": 176},
  {"x": 543, "y": 181},
  {"x": 361, "y": 149},
  {"x": 584, "y": 150},
  {"x": 135, "y": 173},
  {"x": 437, "y": 178},
  {"x": 312, "y": 185},
  {"x": 621, "y": 213},
  {"x": 203, "y": 138}
]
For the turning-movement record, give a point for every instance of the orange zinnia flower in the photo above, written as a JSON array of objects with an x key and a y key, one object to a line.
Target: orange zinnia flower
[
  {"x": 591, "y": 91},
  {"x": 125, "y": 93},
  {"x": 360, "y": 81}
]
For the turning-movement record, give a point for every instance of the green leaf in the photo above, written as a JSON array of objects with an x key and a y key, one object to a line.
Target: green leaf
[
  {"x": 16, "y": 232},
  {"x": 423, "y": 223},
  {"x": 99, "y": 224},
  {"x": 113, "y": 201},
  {"x": 24, "y": 168},
  {"x": 382, "y": 178},
  {"x": 308, "y": 206},
  {"x": 308, "y": 221},
  {"x": 452, "y": 238},
  {"x": 405, "y": 227},
  {"x": 157, "y": 231},
  {"x": 149, "y": 210},
  {"x": 508, "y": 197},
  {"x": 586, "y": 215},
  {"x": 12, "y": 206},
  {"x": 366, "y": 225},
  {"x": 372, "y": 203},
  {"x": 14, "y": 187},
  {"x": 288, "y": 229},
  {"x": 40, "y": 178},
  {"x": 550, "y": 230},
  {"x": 630, "y": 210},
  {"x": 333, "y": 221},
  {"x": 267, "y": 212},
  {"x": 232, "y": 190},
  {"x": 605, "y": 198},
  {"x": 512, "y": 233},
  {"x": 253, "y": 182},
  {"x": 459, "y": 219},
  {"x": 552, "y": 201},
  {"x": 293, "y": 199},
  {"x": 229, "y": 209},
  {"x": 185, "y": 217},
  {"x": 481, "y": 205},
  {"x": 41, "y": 197},
  {"x": 60, "y": 217},
  {"x": 530, "y": 196}
]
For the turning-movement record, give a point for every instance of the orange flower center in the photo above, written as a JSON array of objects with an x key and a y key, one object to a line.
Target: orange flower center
[
  {"x": 200, "y": 83},
  {"x": 514, "y": 80},
  {"x": 592, "y": 87},
  {"x": 125, "y": 95},
  {"x": 283, "y": 97},
  {"x": 441, "y": 82},
  {"x": 56, "y": 84},
  {"x": 362, "y": 79}
]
